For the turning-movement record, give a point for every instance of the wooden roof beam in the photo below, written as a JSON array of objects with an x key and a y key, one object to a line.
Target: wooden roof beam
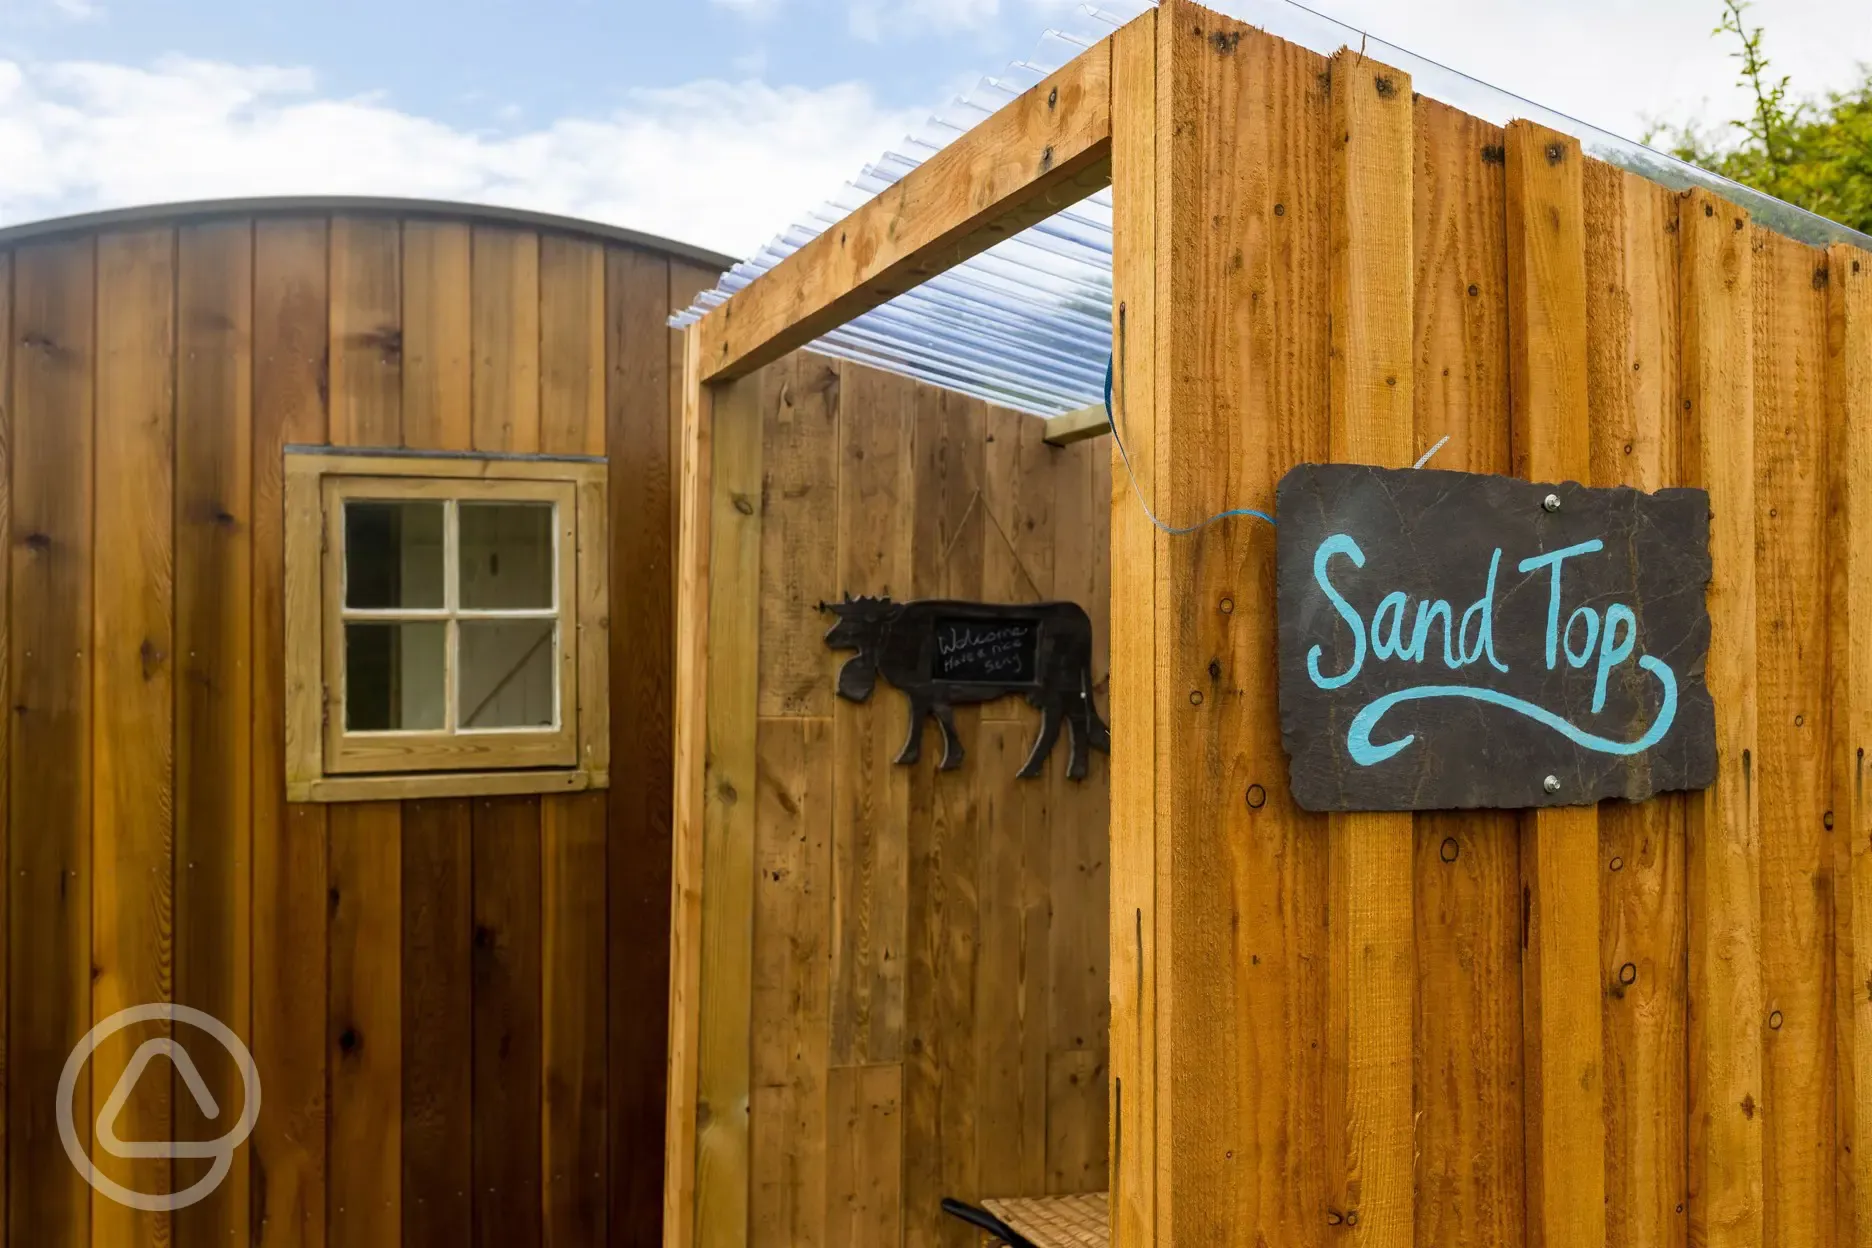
[
  {"x": 1077, "y": 426},
  {"x": 1047, "y": 150}
]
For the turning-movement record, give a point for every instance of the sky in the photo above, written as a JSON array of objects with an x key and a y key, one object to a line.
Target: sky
[{"x": 715, "y": 122}]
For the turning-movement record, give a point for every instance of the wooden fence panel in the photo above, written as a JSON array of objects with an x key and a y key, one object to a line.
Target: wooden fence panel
[{"x": 1684, "y": 1002}]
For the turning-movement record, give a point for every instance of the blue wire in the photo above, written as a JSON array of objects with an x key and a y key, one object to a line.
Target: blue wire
[{"x": 1126, "y": 456}]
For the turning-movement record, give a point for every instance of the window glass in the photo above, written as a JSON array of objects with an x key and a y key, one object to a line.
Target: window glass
[
  {"x": 506, "y": 556},
  {"x": 395, "y": 675},
  {"x": 506, "y": 672},
  {"x": 393, "y": 555}
]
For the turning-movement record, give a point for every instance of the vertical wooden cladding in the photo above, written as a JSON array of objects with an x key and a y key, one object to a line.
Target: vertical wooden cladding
[
  {"x": 506, "y": 336},
  {"x": 290, "y": 907},
  {"x": 1727, "y": 1111},
  {"x": 364, "y": 1011},
  {"x": 8, "y": 437},
  {"x": 891, "y": 987},
  {"x": 1467, "y": 866},
  {"x": 455, "y": 1011},
  {"x": 1634, "y": 407},
  {"x": 437, "y": 873},
  {"x": 133, "y": 649},
  {"x": 1849, "y": 421},
  {"x": 365, "y": 358},
  {"x": 49, "y": 877},
  {"x": 1636, "y": 1025},
  {"x": 1790, "y": 505},
  {"x": 1370, "y": 420},
  {"x": 214, "y": 705},
  {"x": 1561, "y": 1039}
]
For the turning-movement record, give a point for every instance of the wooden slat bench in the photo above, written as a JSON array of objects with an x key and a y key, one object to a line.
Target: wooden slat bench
[{"x": 1054, "y": 1221}]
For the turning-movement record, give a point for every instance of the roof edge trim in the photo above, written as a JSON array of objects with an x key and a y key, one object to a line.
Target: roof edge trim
[{"x": 298, "y": 205}]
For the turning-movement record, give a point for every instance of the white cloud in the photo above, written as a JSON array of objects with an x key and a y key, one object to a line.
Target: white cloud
[
  {"x": 721, "y": 164},
  {"x": 757, "y": 9},
  {"x": 79, "y": 10},
  {"x": 874, "y": 20},
  {"x": 1612, "y": 63}
]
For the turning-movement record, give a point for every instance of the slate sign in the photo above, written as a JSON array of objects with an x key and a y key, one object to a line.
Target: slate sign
[
  {"x": 1452, "y": 641},
  {"x": 1003, "y": 651}
]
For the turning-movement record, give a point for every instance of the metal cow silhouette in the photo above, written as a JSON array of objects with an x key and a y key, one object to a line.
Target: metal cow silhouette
[{"x": 945, "y": 654}]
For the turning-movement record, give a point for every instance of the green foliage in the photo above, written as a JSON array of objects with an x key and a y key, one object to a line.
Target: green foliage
[{"x": 1814, "y": 153}]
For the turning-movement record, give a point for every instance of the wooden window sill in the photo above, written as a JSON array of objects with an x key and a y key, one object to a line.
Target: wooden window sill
[{"x": 444, "y": 784}]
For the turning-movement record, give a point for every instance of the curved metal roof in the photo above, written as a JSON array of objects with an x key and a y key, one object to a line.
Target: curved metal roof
[
  {"x": 1027, "y": 324},
  {"x": 302, "y": 205}
]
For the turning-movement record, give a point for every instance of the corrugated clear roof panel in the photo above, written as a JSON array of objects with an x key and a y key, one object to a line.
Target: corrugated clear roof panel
[{"x": 1027, "y": 323}]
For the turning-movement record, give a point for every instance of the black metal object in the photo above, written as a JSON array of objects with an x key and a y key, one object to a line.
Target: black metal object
[
  {"x": 946, "y": 654},
  {"x": 982, "y": 1220},
  {"x": 1450, "y": 640}
]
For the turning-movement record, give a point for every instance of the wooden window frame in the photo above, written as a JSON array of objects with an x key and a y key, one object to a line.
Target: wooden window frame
[{"x": 326, "y": 763}]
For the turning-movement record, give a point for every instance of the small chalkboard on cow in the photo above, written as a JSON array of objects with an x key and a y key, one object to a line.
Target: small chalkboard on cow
[{"x": 949, "y": 654}]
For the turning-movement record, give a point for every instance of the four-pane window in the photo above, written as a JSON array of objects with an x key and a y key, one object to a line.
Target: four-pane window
[{"x": 448, "y": 623}]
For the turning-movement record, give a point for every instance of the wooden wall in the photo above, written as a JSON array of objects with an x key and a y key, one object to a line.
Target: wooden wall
[
  {"x": 456, "y": 1007},
  {"x": 1630, "y": 1025},
  {"x": 901, "y": 972}
]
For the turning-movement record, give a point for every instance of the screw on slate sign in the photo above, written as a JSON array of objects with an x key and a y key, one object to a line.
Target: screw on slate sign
[
  {"x": 1551, "y": 502},
  {"x": 1551, "y": 784}
]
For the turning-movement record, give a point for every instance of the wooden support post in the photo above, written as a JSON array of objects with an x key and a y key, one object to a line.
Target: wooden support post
[
  {"x": 1726, "y": 1112},
  {"x": 728, "y": 819},
  {"x": 1223, "y": 239},
  {"x": 692, "y": 573},
  {"x": 1849, "y": 452},
  {"x": 1135, "y": 553},
  {"x": 1372, "y": 389},
  {"x": 711, "y": 949},
  {"x": 1564, "y": 1084}
]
